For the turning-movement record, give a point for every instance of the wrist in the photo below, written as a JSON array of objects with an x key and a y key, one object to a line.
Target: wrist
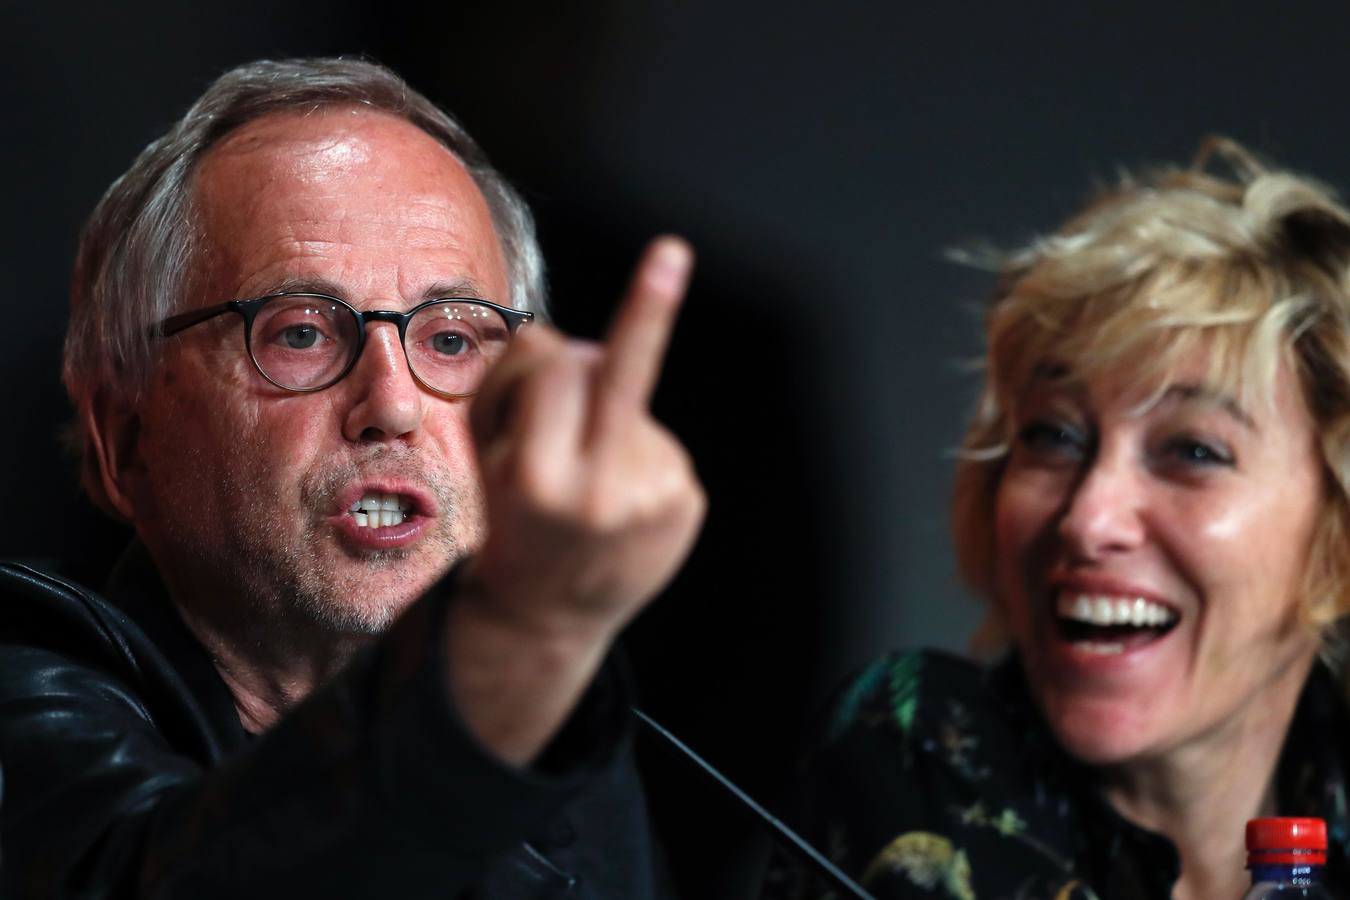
[
  {"x": 515, "y": 678},
  {"x": 535, "y": 610}
]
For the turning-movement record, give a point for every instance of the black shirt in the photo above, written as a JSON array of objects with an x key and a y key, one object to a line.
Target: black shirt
[{"x": 127, "y": 773}]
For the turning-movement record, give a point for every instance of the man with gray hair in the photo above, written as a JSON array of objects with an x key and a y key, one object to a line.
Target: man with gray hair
[{"x": 360, "y": 645}]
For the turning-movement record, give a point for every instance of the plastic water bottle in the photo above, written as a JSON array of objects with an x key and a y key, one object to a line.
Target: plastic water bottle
[{"x": 1286, "y": 858}]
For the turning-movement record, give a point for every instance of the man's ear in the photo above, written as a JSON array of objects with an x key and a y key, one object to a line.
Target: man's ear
[{"x": 113, "y": 464}]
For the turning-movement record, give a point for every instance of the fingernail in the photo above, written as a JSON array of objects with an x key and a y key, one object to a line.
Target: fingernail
[{"x": 668, "y": 264}]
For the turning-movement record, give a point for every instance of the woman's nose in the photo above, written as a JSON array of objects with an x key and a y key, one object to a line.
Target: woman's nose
[{"x": 1103, "y": 512}]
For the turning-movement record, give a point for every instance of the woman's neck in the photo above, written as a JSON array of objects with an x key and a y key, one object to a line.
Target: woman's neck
[{"x": 1201, "y": 794}]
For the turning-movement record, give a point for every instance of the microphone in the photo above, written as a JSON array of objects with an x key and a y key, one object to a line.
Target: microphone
[{"x": 783, "y": 836}]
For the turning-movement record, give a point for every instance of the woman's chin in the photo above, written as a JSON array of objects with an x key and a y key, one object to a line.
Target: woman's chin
[{"x": 1103, "y": 733}]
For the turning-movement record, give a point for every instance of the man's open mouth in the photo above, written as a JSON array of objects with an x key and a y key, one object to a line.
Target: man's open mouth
[
  {"x": 1109, "y": 625},
  {"x": 377, "y": 510}
]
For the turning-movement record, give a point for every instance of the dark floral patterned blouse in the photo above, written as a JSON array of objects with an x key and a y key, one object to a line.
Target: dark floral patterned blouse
[{"x": 938, "y": 779}]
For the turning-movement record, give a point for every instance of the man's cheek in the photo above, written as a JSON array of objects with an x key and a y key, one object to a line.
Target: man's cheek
[
  {"x": 287, "y": 440},
  {"x": 449, "y": 427}
]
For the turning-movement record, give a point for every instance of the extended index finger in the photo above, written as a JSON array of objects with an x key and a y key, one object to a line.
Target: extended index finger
[{"x": 637, "y": 339}]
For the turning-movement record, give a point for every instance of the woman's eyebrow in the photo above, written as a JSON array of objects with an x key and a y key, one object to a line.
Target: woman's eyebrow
[{"x": 1208, "y": 396}]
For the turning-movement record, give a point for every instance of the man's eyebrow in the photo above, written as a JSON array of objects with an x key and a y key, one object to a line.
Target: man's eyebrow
[
  {"x": 1199, "y": 393},
  {"x": 309, "y": 284},
  {"x": 464, "y": 287},
  {"x": 305, "y": 284}
]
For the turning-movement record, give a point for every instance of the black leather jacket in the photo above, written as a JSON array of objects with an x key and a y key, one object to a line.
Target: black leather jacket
[{"x": 127, "y": 773}]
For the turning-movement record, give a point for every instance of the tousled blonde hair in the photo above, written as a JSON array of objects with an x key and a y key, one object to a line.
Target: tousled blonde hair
[{"x": 1251, "y": 267}]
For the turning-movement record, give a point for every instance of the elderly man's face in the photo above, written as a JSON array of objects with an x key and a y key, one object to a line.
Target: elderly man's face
[{"x": 247, "y": 488}]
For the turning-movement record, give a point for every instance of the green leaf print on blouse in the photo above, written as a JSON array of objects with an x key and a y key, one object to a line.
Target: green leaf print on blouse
[
  {"x": 905, "y": 689},
  {"x": 928, "y": 860},
  {"x": 932, "y": 862},
  {"x": 850, "y": 703},
  {"x": 1006, "y": 823},
  {"x": 861, "y": 700}
]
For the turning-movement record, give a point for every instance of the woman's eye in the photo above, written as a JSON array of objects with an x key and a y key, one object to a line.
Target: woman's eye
[
  {"x": 1051, "y": 437},
  {"x": 1197, "y": 452}
]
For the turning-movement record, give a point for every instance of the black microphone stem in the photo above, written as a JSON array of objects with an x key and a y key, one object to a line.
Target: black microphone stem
[{"x": 786, "y": 838}]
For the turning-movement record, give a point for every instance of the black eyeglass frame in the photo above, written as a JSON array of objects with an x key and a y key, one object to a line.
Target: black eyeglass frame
[{"x": 248, "y": 310}]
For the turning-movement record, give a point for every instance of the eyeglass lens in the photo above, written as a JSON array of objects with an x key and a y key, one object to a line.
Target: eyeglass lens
[{"x": 305, "y": 343}]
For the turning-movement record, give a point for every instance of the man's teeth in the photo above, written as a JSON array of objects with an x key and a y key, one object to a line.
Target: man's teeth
[
  {"x": 376, "y": 510},
  {"x": 1095, "y": 609}
]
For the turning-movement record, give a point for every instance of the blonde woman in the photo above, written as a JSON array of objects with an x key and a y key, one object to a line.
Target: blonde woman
[{"x": 1154, "y": 496}]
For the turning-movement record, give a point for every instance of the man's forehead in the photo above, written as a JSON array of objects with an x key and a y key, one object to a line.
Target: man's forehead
[
  {"x": 309, "y": 183},
  {"x": 327, "y": 137},
  {"x": 305, "y": 155}
]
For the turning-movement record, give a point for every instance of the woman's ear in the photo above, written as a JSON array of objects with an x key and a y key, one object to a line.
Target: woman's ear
[{"x": 113, "y": 463}]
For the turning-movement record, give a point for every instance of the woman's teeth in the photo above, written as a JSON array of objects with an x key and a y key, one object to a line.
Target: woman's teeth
[
  {"x": 1095, "y": 609},
  {"x": 376, "y": 510},
  {"x": 1107, "y": 625}
]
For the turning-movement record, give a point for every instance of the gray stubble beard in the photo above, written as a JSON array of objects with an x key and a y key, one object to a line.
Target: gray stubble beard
[{"x": 289, "y": 581}]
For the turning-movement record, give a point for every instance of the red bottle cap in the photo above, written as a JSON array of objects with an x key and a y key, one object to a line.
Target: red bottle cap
[{"x": 1286, "y": 841}]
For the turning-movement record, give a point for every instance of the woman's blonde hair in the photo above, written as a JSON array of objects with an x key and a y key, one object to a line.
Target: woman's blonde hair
[{"x": 1250, "y": 268}]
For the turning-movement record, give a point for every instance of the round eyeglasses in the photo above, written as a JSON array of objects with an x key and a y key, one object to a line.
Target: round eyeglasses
[{"x": 307, "y": 342}]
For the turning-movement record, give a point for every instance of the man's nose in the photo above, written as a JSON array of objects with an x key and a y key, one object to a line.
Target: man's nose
[
  {"x": 386, "y": 401},
  {"x": 1104, "y": 512}
]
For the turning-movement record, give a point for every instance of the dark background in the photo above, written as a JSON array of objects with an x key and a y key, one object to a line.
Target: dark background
[{"x": 820, "y": 157}]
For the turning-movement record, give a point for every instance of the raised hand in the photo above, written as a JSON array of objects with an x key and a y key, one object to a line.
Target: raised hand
[{"x": 592, "y": 506}]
